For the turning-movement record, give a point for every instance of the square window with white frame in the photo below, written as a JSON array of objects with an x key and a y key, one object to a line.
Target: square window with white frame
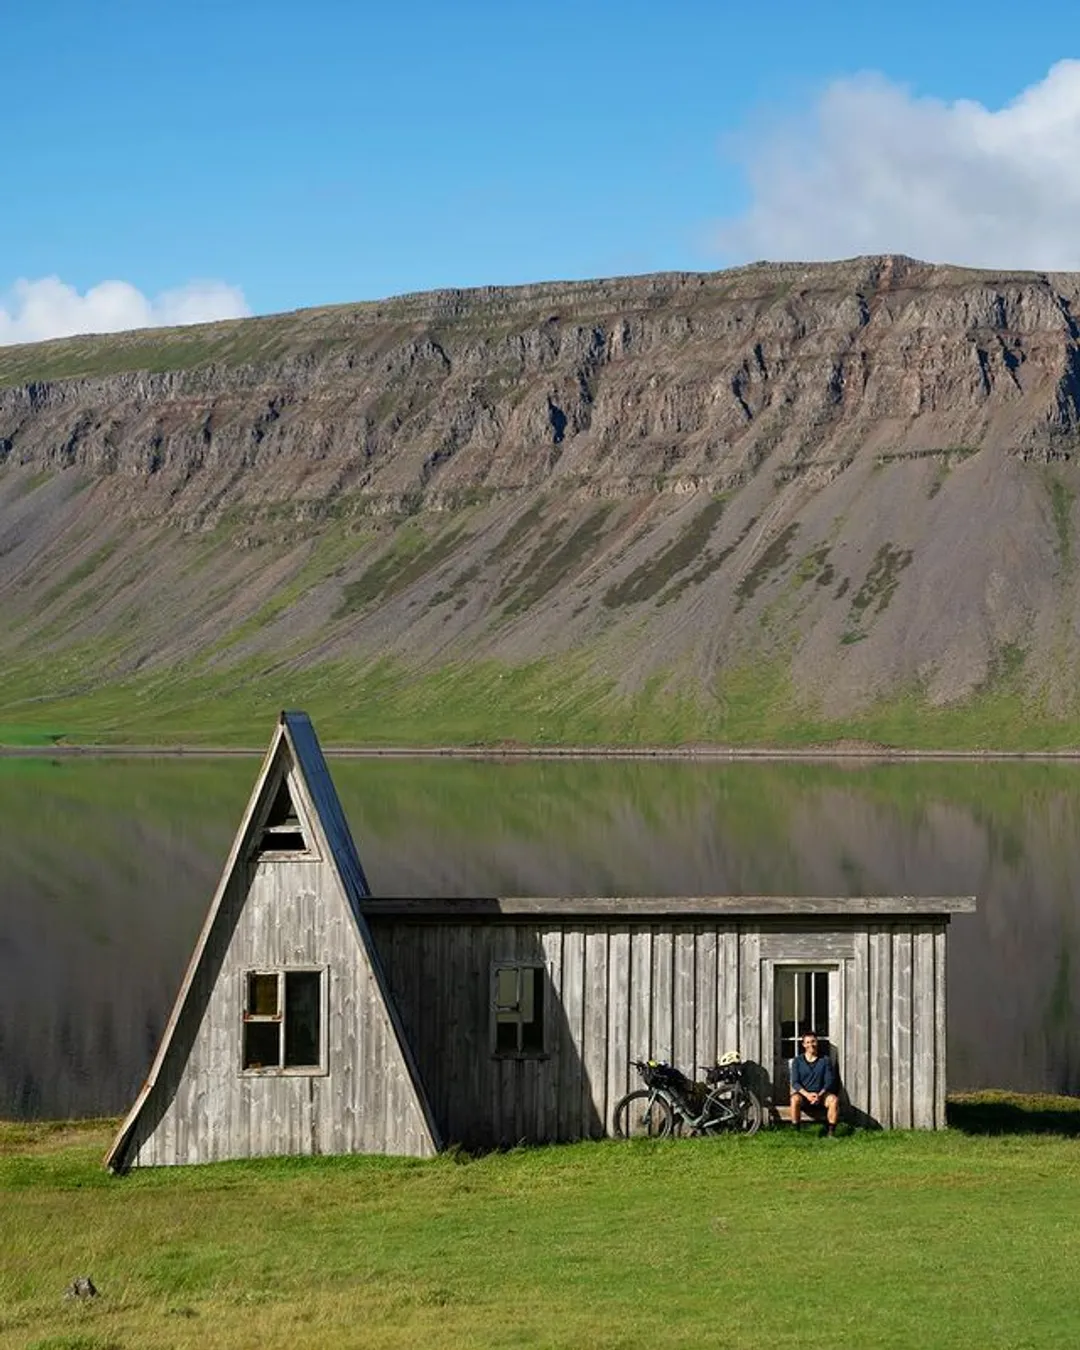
[
  {"x": 284, "y": 1019},
  {"x": 517, "y": 1009}
]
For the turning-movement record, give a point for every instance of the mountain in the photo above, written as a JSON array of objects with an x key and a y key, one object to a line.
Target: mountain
[{"x": 779, "y": 503}]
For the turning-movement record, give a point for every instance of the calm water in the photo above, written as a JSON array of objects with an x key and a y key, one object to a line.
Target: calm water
[{"x": 108, "y": 867}]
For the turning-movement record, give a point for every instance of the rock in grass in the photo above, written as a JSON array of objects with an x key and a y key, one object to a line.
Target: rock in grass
[{"x": 82, "y": 1286}]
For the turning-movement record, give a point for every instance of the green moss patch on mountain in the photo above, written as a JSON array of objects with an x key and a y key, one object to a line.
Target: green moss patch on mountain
[
  {"x": 411, "y": 556},
  {"x": 650, "y": 577},
  {"x": 771, "y": 559},
  {"x": 877, "y": 590},
  {"x": 547, "y": 567}
]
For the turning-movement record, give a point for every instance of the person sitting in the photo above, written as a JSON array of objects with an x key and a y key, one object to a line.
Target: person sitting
[{"x": 814, "y": 1085}]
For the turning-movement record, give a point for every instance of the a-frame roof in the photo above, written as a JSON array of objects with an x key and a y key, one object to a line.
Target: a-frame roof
[{"x": 294, "y": 737}]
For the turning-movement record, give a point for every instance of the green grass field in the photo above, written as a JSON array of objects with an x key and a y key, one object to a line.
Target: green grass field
[
  {"x": 488, "y": 704},
  {"x": 897, "y": 1239},
  {"x": 25, "y": 736}
]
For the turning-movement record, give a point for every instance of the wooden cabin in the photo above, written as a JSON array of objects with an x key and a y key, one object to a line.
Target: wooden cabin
[{"x": 314, "y": 1018}]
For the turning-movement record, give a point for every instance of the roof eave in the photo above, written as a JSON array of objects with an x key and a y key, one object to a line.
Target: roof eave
[{"x": 671, "y": 907}]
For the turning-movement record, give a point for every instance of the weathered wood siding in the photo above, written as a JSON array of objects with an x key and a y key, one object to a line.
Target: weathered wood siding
[
  {"x": 203, "y": 1108},
  {"x": 613, "y": 992},
  {"x": 685, "y": 992},
  {"x": 898, "y": 1056}
]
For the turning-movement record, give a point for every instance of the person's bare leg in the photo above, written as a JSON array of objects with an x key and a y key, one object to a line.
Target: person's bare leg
[
  {"x": 832, "y": 1110},
  {"x": 796, "y": 1109}
]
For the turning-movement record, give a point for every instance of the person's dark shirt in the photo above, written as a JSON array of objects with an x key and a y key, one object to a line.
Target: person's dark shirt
[{"x": 817, "y": 1077}]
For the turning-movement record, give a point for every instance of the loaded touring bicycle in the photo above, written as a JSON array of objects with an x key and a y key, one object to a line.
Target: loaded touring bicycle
[{"x": 671, "y": 1103}]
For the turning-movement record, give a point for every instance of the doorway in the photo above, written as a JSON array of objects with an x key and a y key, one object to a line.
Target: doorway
[{"x": 807, "y": 998}]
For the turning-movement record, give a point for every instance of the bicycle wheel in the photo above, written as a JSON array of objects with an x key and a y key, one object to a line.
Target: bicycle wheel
[
  {"x": 748, "y": 1111},
  {"x": 640, "y": 1115}
]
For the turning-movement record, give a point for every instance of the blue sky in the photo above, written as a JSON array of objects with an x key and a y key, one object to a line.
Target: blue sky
[{"x": 313, "y": 153}]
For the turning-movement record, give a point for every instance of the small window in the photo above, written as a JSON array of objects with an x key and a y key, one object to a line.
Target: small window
[
  {"x": 283, "y": 1021},
  {"x": 282, "y": 832},
  {"x": 518, "y": 1010}
]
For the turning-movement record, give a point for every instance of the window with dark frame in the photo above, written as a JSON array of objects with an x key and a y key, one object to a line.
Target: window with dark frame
[
  {"x": 803, "y": 1005},
  {"x": 282, "y": 833},
  {"x": 518, "y": 1009},
  {"x": 282, "y": 1026}
]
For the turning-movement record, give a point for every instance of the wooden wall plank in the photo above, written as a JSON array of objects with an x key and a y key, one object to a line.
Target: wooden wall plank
[
  {"x": 369, "y": 1092},
  {"x": 507, "y": 1073},
  {"x": 820, "y": 946},
  {"x": 940, "y": 1066},
  {"x": 529, "y": 952},
  {"x": 641, "y": 959},
  {"x": 901, "y": 1027},
  {"x": 663, "y": 953},
  {"x": 376, "y": 1074},
  {"x": 777, "y": 1088},
  {"x": 922, "y": 1029},
  {"x": 443, "y": 987},
  {"x": 706, "y": 996},
  {"x": 594, "y": 1106},
  {"x": 339, "y": 1087},
  {"x": 555, "y": 1033},
  {"x": 847, "y": 1033},
  {"x": 750, "y": 1000},
  {"x": 684, "y": 1001},
  {"x": 474, "y": 1034},
  {"x": 570, "y": 1067},
  {"x": 856, "y": 1070},
  {"x": 460, "y": 975},
  {"x": 880, "y": 939},
  {"x": 216, "y": 1103},
  {"x": 385, "y": 1071},
  {"x": 349, "y": 1073},
  {"x": 618, "y": 1020},
  {"x": 729, "y": 1002}
]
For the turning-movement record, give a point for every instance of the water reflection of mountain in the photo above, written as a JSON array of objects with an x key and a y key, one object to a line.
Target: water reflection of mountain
[{"x": 109, "y": 865}]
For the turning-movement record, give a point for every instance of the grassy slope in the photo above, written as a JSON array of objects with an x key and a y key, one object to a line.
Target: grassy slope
[
  {"x": 485, "y": 704},
  {"x": 889, "y": 1240},
  {"x": 219, "y": 696}
]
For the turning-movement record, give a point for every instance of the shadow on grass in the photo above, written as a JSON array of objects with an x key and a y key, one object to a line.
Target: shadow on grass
[{"x": 1013, "y": 1113}]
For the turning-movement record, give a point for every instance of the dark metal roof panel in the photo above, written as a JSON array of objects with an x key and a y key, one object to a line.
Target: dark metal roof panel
[{"x": 309, "y": 758}]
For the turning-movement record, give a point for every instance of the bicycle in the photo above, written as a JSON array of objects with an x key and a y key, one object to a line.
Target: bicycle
[{"x": 671, "y": 1103}]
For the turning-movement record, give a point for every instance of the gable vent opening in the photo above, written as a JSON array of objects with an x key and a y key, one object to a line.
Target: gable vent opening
[{"x": 283, "y": 832}]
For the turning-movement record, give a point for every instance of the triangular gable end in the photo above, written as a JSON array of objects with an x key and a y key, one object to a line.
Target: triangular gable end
[
  {"x": 293, "y": 814},
  {"x": 318, "y": 788},
  {"x": 281, "y": 824}
]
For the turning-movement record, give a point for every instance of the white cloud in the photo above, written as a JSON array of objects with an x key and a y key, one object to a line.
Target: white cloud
[
  {"x": 875, "y": 170},
  {"x": 49, "y": 308}
]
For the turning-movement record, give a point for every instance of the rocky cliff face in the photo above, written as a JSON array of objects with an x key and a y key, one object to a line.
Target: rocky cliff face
[{"x": 858, "y": 477}]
